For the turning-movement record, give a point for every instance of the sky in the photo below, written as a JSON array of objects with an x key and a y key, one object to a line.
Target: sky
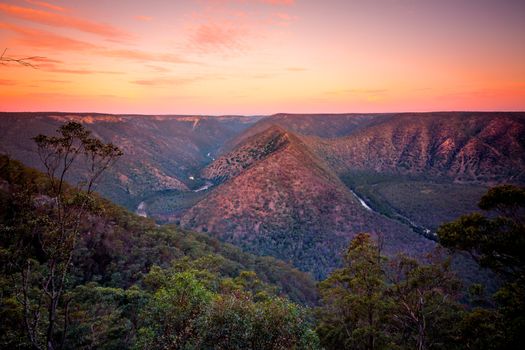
[{"x": 254, "y": 57}]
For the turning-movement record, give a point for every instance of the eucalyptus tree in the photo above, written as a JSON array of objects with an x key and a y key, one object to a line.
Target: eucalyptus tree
[{"x": 51, "y": 223}]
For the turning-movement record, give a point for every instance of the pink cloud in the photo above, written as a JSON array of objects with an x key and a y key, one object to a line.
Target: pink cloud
[
  {"x": 283, "y": 19},
  {"x": 143, "y": 18},
  {"x": 54, "y": 69},
  {"x": 159, "y": 69},
  {"x": 142, "y": 56},
  {"x": 487, "y": 94},
  {"x": 59, "y": 20},
  {"x": 284, "y": 16},
  {"x": 44, "y": 39},
  {"x": 267, "y": 2},
  {"x": 359, "y": 92},
  {"x": 56, "y": 81},
  {"x": 165, "y": 81},
  {"x": 46, "y": 5},
  {"x": 162, "y": 80},
  {"x": 217, "y": 37},
  {"x": 296, "y": 69},
  {"x": 270, "y": 2},
  {"x": 46, "y": 60}
]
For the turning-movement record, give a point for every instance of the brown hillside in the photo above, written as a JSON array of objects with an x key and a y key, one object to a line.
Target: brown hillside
[
  {"x": 249, "y": 152},
  {"x": 160, "y": 152},
  {"x": 289, "y": 205},
  {"x": 480, "y": 148}
]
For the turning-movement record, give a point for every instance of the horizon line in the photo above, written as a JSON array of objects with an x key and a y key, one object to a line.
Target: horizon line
[{"x": 262, "y": 115}]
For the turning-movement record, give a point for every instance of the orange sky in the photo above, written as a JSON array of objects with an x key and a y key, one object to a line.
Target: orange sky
[{"x": 263, "y": 56}]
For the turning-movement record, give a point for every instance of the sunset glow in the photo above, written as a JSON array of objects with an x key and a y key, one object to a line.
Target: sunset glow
[{"x": 263, "y": 56}]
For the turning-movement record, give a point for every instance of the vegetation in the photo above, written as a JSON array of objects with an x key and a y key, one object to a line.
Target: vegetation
[
  {"x": 497, "y": 241},
  {"x": 292, "y": 180},
  {"x": 24, "y": 61},
  {"x": 171, "y": 203},
  {"x": 110, "y": 279},
  {"x": 78, "y": 272},
  {"x": 125, "y": 270},
  {"x": 407, "y": 198},
  {"x": 50, "y": 228},
  {"x": 184, "y": 313},
  {"x": 373, "y": 302},
  {"x": 377, "y": 303}
]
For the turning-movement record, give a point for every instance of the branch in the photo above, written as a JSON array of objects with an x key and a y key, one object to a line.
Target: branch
[{"x": 24, "y": 61}]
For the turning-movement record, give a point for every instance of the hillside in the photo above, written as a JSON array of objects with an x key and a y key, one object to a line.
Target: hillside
[
  {"x": 128, "y": 283},
  {"x": 286, "y": 185},
  {"x": 463, "y": 147},
  {"x": 160, "y": 152},
  {"x": 117, "y": 248},
  {"x": 246, "y": 154},
  {"x": 290, "y": 205},
  {"x": 421, "y": 169},
  {"x": 321, "y": 125}
]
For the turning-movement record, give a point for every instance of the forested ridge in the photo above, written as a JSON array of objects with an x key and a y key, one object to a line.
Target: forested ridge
[
  {"x": 109, "y": 279},
  {"x": 132, "y": 284}
]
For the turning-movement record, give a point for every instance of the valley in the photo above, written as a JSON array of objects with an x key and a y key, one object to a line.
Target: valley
[{"x": 299, "y": 187}]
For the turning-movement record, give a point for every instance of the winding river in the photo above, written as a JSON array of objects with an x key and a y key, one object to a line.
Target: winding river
[{"x": 426, "y": 232}]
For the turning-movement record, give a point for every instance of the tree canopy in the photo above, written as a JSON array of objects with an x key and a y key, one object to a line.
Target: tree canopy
[{"x": 496, "y": 239}]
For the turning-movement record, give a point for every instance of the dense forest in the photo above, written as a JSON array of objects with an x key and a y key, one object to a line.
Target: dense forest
[{"x": 78, "y": 272}]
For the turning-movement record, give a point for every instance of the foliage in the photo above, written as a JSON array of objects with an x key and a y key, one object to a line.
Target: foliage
[
  {"x": 78, "y": 272},
  {"x": 408, "y": 198},
  {"x": 377, "y": 303},
  {"x": 48, "y": 225},
  {"x": 24, "y": 61},
  {"x": 127, "y": 274},
  {"x": 172, "y": 313},
  {"x": 184, "y": 314},
  {"x": 424, "y": 299},
  {"x": 353, "y": 300},
  {"x": 497, "y": 241}
]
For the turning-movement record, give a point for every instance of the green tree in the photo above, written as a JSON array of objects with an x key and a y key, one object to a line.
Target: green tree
[
  {"x": 235, "y": 321},
  {"x": 183, "y": 313},
  {"x": 171, "y": 318},
  {"x": 425, "y": 309},
  {"x": 377, "y": 303},
  {"x": 99, "y": 319},
  {"x": 198, "y": 293},
  {"x": 497, "y": 241},
  {"x": 229, "y": 322},
  {"x": 280, "y": 324},
  {"x": 48, "y": 227},
  {"x": 352, "y": 315}
]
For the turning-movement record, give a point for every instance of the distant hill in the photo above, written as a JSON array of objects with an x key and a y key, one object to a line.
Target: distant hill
[
  {"x": 160, "y": 152},
  {"x": 247, "y": 153},
  {"x": 298, "y": 187},
  {"x": 463, "y": 147}
]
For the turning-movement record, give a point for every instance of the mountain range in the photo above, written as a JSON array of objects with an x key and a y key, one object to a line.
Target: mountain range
[{"x": 299, "y": 187}]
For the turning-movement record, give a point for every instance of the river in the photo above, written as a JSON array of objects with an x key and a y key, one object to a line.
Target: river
[{"x": 399, "y": 217}]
